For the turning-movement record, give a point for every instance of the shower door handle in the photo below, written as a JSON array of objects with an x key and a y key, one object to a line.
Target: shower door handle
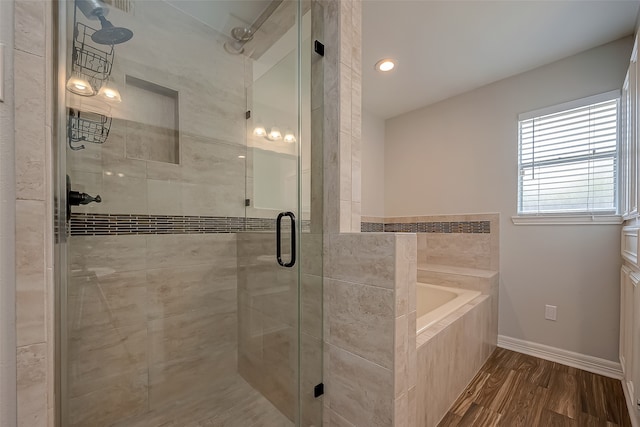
[{"x": 292, "y": 262}]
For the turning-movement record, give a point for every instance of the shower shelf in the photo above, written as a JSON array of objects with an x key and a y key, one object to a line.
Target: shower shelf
[
  {"x": 87, "y": 127},
  {"x": 88, "y": 59}
]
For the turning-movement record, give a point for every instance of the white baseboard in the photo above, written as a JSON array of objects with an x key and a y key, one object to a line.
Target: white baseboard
[
  {"x": 592, "y": 364},
  {"x": 633, "y": 414}
]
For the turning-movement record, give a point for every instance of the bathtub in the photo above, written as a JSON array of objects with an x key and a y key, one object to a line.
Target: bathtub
[{"x": 436, "y": 302}]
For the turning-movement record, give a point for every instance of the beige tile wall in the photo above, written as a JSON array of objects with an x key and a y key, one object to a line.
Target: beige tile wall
[
  {"x": 373, "y": 219},
  {"x": 342, "y": 121},
  {"x": 367, "y": 327},
  {"x": 206, "y": 176},
  {"x": 148, "y": 327},
  {"x": 268, "y": 323},
  {"x": 34, "y": 247},
  {"x": 267, "y": 315}
]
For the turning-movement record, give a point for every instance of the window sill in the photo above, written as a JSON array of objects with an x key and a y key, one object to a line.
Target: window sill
[{"x": 566, "y": 219}]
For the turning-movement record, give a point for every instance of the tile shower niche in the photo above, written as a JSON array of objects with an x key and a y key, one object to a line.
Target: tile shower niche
[{"x": 152, "y": 132}]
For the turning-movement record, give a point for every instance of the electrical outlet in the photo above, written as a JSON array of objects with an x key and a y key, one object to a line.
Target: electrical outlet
[{"x": 550, "y": 312}]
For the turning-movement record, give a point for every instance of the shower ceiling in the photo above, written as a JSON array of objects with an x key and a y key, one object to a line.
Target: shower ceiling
[
  {"x": 222, "y": 16},
  {"x": 445, "y": 48}
]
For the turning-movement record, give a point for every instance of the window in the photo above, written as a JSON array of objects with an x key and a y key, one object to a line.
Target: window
[{"x": 567, "y": 158}]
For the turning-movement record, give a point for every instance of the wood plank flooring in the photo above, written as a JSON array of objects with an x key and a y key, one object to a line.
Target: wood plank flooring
[{"x": 513, "y": 389}]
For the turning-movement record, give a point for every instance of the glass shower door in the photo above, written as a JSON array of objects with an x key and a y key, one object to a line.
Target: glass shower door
[
  {"x": 173, "y": 307},
  {"x": 280, "y": 266}
]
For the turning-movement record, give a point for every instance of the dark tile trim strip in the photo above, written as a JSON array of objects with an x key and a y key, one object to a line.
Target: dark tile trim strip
[
  {"x": 470, "y": 227},
  {"x": 88, "y": 224},
  {"x": 371, "y": 227}
]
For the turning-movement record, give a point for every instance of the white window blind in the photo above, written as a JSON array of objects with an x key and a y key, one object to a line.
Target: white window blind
[{"x": 568, "y": 160}]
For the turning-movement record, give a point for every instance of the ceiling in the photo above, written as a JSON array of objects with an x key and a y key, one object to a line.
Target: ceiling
[
  {"x": 223, "y": 15},
  {"x": 448, "y": 47}
]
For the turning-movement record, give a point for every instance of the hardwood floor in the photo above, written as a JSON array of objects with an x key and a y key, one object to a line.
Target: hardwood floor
[{"x": 513, "y": 389}]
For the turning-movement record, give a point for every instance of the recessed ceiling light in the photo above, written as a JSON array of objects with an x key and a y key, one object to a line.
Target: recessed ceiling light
[{"x": 385, "y": 65}]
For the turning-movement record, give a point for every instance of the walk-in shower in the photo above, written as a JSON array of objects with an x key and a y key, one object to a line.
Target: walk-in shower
[{"x": 173, "y": 307}]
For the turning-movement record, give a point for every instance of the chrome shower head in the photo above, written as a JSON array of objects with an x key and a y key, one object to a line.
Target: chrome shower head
[
  {"x": 109, "y": 34},
  {"x": 241, "y": 36},
  {"x": 92, "y": 8}
]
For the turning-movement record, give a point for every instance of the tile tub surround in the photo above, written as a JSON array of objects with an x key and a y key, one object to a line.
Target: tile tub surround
[
  {"x": 449, "y": 354},
  {"x": 469, "y": 240},
  {"x": 371, "y": 226},
  {"x": 469, "y": 227},
  {"x": 376, "y": 367}
]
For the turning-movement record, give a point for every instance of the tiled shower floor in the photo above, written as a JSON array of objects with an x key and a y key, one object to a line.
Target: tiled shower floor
[{"x": 233, "y": 403}]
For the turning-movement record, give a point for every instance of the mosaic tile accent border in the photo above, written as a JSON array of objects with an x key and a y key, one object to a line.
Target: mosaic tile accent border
[
  {"x": 371, "y": 227},
  {"x": 470, "y": 227},
  {"x": 90, "y": 224}
]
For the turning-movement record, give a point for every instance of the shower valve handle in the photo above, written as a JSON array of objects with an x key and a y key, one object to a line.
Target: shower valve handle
[{"x": 76, "y": 198}]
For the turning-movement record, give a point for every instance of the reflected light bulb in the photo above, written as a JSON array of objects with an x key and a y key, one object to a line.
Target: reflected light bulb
[
  {"x": 275, "y": 134},
  {"x": 110, "y": 93},
  {"x": 259, "y": 131},
  {"x": 79, "y": 86},
  {"x": 289, "y": 137}
]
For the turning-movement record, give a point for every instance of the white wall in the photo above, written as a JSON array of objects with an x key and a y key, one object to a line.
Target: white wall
[
  {"x": 460, "y": 156},
  {"x": 372, "y": 165}
]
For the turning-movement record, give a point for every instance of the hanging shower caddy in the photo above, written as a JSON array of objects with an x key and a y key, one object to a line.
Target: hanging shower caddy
[
  {"x": 94, "y": 62},
  {"x": 87, "y": 127},
  {"x": 91, "y": 63}
]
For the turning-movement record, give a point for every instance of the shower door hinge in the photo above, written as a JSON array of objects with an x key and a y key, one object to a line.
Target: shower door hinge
[
  {"x": 318, "y": 390},
  {"x": 318, "y": 48},
  {"x": 247, "y": 202},
  {"x": 247, "y": 115}
]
